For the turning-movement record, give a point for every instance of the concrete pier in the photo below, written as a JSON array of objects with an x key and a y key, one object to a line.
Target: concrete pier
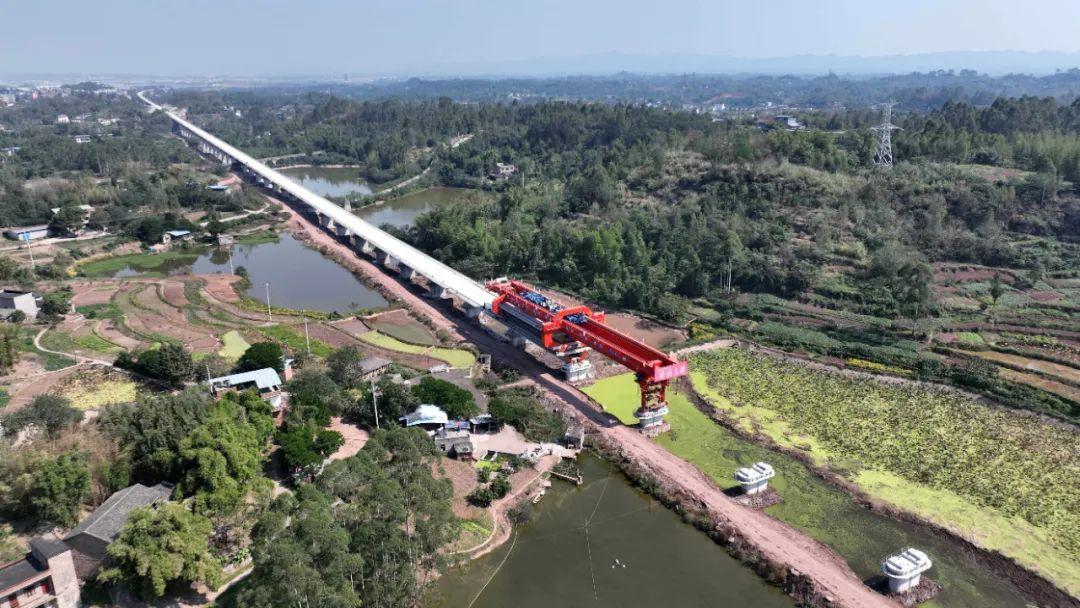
[
  {"x": 756, "y": 478},
  {"x": 904, "y": 570}
]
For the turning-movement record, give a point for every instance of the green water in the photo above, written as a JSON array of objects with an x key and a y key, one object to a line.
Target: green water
[{"x": 558, "y": 560}]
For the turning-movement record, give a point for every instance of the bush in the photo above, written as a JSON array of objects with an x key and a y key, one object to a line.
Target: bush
[
  {"x": 519, "y": 408},
  {"x": 480, "y": 497},
  {"x": 260, "y": 356},
  {"x": 50, "y": 413},
  {"x": 500, "y": 487}
]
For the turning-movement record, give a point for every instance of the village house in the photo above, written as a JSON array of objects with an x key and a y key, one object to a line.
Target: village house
[
  {"x": 10, "y": 301},
  {"x": 27, "y": 233},
  {"x": 429, "y": 417},
  {"x": 45, "y": 578},
  {"x": 62, "y": 119},
  {"x": 266, "y": 382},
  {"x": 373, "y": 368},
  {"x": 503, "y": 171},
  {"x": 92, "y": 536}
]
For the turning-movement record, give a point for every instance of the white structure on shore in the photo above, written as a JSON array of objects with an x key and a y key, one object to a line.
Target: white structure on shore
[
  {"x": 904, "y": 570},
  {"x": 756, "y": 478}
]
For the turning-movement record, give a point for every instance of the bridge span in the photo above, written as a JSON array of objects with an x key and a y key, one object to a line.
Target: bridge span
[{"x": 365, "y": 238}]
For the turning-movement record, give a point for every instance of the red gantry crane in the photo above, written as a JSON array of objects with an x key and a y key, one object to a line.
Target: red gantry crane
[{"x": 560, "y": 327}]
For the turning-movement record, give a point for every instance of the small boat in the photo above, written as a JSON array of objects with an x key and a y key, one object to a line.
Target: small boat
[{"x": 538, "y": 496}]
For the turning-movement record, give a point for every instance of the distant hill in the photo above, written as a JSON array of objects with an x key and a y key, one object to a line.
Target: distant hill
[{"x": 989, "y": 62}]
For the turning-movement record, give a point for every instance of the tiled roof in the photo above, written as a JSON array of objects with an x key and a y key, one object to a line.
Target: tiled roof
[{"x": 107, "y": 520}]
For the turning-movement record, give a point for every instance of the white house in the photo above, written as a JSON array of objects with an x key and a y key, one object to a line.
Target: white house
[{"x": 10, "y": 301}]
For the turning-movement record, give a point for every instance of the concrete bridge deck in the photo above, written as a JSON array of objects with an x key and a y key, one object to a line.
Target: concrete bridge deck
[{"x": 367, "y": 238}]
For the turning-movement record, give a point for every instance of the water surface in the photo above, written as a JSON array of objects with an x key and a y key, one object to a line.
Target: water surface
[
  {"x": 566, "y": 556},
  {"x": 401, "y": 212},
  {"x": 331, "y": 182}
]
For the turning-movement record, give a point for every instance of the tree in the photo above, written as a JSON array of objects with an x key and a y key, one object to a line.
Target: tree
[
  {"x": 10, "y": 346},
  {"x": 152, "y": 429},
  {"x": 220, "y": 459},
  {"x": 345, "y": 367},
  {"x": 171, "y": 363},
  {"x": 912, "y": 290},
  {"x": 60, "y": 488},
  {"x": 520, "y": 409},
  {"x": 261, "y": 355},
  {"x": 455, "y": 401},
  {"x": 56, "y": 304},
  {"x": 50, "y": 413},
  {"x": 305, "y": 446},
  {"x": 314, "y": 397},
  {"x": 16, "y": 317},
  {"x": 162, "y": 546},
  {"x": 394, "y": 401}
]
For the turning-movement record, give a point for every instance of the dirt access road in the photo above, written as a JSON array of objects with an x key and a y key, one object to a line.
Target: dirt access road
[{"x": 776, "y": 540}]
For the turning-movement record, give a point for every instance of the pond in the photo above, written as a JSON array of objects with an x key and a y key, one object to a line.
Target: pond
[
  {"x": 401, "y": 212},
  {"x": 604, "y": 544},
  {"x": 330, "y": 181},
  {"x": 299, "y": 277}
]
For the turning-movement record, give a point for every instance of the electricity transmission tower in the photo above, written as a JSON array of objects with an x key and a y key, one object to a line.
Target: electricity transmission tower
[{"x": 883, "y": 157}]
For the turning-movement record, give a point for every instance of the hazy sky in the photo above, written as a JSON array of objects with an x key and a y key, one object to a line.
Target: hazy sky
[{"x": 212, "y": 37}]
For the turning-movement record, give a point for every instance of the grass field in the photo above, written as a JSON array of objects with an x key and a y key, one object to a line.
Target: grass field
[
  {"x": 234, "y": 345},
  {"x": 410, "y": 330},
  {"x": 1002, "y": 479},
  {"x": 95, "y": 389},
  {"x": 453, "y": 356}
]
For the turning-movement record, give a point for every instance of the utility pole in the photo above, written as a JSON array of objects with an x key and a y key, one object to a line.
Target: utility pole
[
  {"x": 884, "y": 155},
  {"x": 307, "y": 338},
  {"x": 375, "y": 403},
  {"x": 269, "y": 313},
  {"x": 26, "y": 237}
]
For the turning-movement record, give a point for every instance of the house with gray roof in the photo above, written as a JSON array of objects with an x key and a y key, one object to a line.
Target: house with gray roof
[
  {"x": 43, "y": 578},
  {"x": 89, "y": 539},
  {"x": 264, "y": 381}
]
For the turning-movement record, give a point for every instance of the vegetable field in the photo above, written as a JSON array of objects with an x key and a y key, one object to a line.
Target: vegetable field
[{"x": 923, "y": 438}]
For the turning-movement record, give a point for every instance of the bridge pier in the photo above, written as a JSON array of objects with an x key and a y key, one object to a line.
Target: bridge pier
[
  {"x": 342, "y": 231},
  {"x": 474, "y": 312},
  {"x": 437, "y": 291},
  {"x": 406, "y": 273},
  {"x": 387, "y": 260}
]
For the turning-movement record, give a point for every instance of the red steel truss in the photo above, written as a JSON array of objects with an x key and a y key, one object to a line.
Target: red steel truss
[{"x": 653, "y": 367}]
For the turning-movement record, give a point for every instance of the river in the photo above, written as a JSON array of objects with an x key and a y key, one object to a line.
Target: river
[{"x": 566, "y": 556}]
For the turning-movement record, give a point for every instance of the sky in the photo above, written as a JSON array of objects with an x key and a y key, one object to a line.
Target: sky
[{"x": 373, "y": 37}]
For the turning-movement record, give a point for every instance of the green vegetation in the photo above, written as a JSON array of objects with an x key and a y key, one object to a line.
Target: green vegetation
[
  {"x": 262, "y": 355},
  {"x": 161, "y": 546},
  {"x": 412, "y": 331},
  {"x": 290, "y": 337},
  {"x": 144, "y": 263},
  {"x": 59, "y": 489},
  {"x": 337, "y": 542},
  {"x": 49, "y": 413},
  {"x": 457, "y": 402},
  {"x": 521, "y": 409},
  {"x": 617, "y": 396},
  {"x": 233, "y": 345},
  {"x": 453, "y": 356},
  {"x": 925, "y": 449}
]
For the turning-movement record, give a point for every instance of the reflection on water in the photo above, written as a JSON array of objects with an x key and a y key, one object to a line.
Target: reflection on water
[
  {"x": 401, "y": 212},
  {"x": 299, "y": 277},
  {"x": 604, "y": 544},
  {"x": 329, "y": 181}
]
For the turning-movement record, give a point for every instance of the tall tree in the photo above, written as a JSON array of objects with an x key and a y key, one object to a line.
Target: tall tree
[{"x": 162, "y": 546}]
